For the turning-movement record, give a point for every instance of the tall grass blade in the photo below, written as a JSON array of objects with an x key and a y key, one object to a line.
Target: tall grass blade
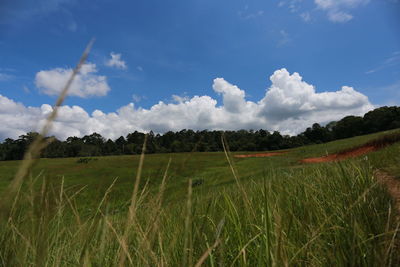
[
  {"x": 131, "y": 220},
  {"x": 39, "y": 143}
]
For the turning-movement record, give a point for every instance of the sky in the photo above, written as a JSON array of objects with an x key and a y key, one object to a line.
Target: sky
[{"x": 166, "y": 65}]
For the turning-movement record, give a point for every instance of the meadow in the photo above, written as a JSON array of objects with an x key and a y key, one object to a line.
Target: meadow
[{"x": 189, "y": 209}]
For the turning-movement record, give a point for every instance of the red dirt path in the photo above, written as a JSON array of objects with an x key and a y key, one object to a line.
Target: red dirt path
[
  {"x": 393, "y": 188},
  {"x": 392, "y": 185},
  {"x": 370, "y": 146},
  {"x": 260, "y": 155},
  {"x": 343, "y": 155}
]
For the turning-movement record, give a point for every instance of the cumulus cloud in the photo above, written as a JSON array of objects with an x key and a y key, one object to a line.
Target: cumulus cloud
[
  {"x": 86, "y": 84},
  {"x": 338, "y": 10},
  {"x": 180, "y": 99},
  {"x": 116, "y": 61},
  {"x": 16, "y": 119},
  {"x": 289, "y": 105},
  {"x": 292, "y": 100},
  {"x": 233, "y": 97}
]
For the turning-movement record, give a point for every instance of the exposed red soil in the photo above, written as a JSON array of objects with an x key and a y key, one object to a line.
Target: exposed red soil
[
  {"x": 392, "y": 185},
  {"x": 370, "y": 146},
  {"x": 343, "y": 155},
  {"x": 261, "y": 155}
]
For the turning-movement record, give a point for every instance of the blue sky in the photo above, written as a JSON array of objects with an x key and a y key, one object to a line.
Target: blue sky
[{"x": 171, "y": 51}]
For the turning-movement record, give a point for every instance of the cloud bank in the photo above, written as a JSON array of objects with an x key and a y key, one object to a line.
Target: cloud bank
[{"x": 289, "y": 105}]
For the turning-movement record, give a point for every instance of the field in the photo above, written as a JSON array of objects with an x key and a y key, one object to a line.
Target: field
[{"x": 204, "y": 208}]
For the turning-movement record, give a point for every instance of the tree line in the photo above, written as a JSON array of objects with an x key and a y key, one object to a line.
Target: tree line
[{"x": 380, "y": 119}]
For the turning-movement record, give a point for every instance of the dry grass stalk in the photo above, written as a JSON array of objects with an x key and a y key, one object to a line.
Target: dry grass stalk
[
  {"x": 40, "y": 142},
  {"x": 235, "y": 175},
  {"x": 131, "y": 220},
  {"x": 187, "y": 257}
]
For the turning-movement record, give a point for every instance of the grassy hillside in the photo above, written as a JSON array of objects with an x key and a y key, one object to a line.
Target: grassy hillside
[{"x": 243, "y": 211}]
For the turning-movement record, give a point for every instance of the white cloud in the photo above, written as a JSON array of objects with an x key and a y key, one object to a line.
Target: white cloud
[
  {"x": 281, "y": 3},
  {"x": 72, "y": 26},
  {"x": 338, "y": 10},
  {"x": 233, "y": 97},
  {"x": 180, "y": 99},
  {"x": 329, "y": 4},
  {"x": 116, "y": 61},
  {"x": 339, "y": 16},
  {"x": 392, "y": 61},
  {"x": 305, "y": 16},
  {"x": 290, "y": 99},
  {"x": 16, "y": 119},
  {"x": 5, "y": 77},
  {"x": 85, "y": 84},
  {"x": 289, "y": 105},
  {"x": 136, "y": 98},
  {"x": 284, "y": 38},
  {"x": 246, "y": 16},
  {"x": 294, "y": 6},
  {"x": 139, "y": 68}
]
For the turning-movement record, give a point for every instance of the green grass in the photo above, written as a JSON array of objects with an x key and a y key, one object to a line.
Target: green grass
[{"x": 279, "y": 212}]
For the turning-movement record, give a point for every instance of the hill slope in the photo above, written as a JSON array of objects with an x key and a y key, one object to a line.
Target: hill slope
[{"x": 241, "y": 211}]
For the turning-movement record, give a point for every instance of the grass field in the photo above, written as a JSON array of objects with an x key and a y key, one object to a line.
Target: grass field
[{"x": 270, "y": 211}]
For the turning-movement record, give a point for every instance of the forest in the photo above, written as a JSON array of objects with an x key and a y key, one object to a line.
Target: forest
[{"x": 379, "y": 119}]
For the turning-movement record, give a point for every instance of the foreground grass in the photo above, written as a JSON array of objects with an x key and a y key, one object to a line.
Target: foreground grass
[{"x": 252, "y": 212}]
